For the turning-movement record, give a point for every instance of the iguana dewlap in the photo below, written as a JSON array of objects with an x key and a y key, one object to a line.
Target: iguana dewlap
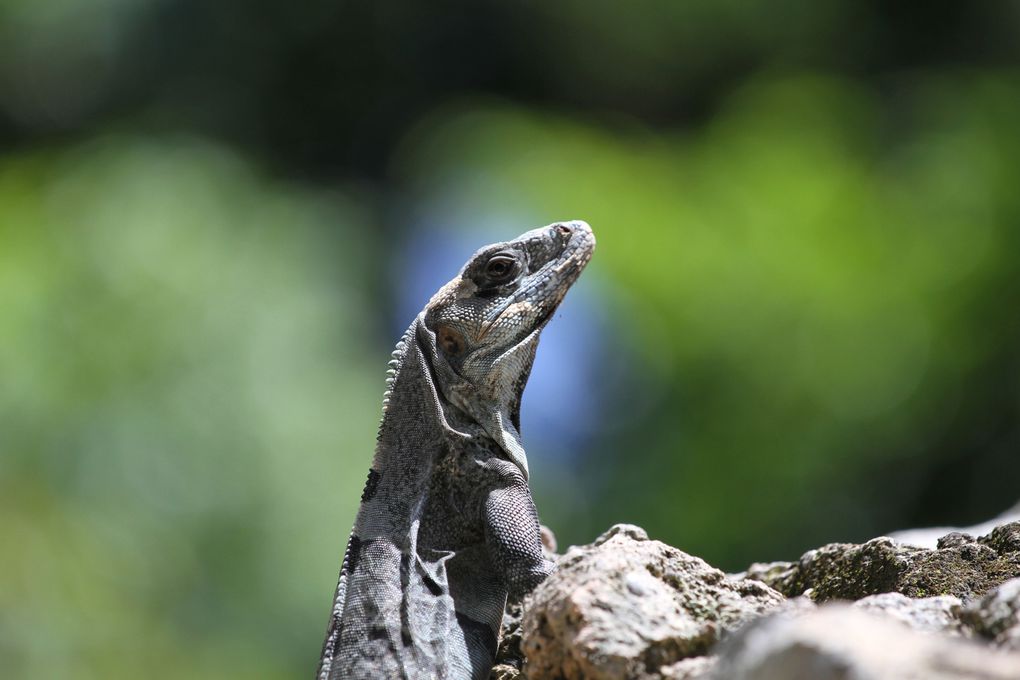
[{"x": 447, "y": 528}]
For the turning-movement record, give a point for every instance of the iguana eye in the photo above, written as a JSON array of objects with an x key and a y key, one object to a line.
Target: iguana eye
[{"x": 500, "y": 268}]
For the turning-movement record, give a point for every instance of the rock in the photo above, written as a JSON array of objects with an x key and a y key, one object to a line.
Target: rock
[
  {"x": 961, "y": 567},
  {"x": 629, "y": 607},
  {"x": 837, "y": 642},
  {"x": 694, "y": 668},
  {"x": 1004, "y": 538},
  {"x": 548, "y": 541},
  {"x": 509, "y": 657},
  {"x": 626, "y": 607},
  {"x": 505, "y": 672},
  {"x": 766, "y": 572},
  {"x": 631, "y": 531},
  {"x": 939, "y": 614},
  {"x": 928, "y": 538},
  {"x": 996, "y": 616}
]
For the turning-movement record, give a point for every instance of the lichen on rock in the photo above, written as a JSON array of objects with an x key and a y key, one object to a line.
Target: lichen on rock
[
  {"x": 960, "y": 566},
  {"x": 996, "y": 616}
]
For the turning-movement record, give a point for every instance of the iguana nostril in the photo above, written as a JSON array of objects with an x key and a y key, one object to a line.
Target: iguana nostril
[{"x": 563, "y": 229}]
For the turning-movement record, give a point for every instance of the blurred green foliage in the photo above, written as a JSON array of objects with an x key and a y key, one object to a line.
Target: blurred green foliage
[
  {"x": 811, "y": 291},
  {"x": 808, "y": 222},
  {"x": 182, "y": 359}
]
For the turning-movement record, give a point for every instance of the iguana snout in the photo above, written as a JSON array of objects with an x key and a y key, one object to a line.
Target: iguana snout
[{"x": 506, "y": 292}]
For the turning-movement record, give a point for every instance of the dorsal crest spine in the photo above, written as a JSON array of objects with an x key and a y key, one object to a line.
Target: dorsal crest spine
[{"x": 395, "y": 363}]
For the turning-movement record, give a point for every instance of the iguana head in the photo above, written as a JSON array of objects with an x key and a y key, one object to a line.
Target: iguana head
[{"x": 481, "y": 330}]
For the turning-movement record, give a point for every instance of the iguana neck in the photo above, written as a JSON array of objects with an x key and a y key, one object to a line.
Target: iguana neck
[
  {"x": 427, "y": 403},
  {"x": 415, "y": 413}
]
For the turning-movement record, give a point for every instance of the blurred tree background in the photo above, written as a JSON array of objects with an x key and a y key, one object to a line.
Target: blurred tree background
[{"x": 801, "y": 324}]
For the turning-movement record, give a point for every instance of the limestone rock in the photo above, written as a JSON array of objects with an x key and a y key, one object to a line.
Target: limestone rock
[
  {"x": 629, "y": 607},
  {"x": 837, "y": 642},
  {"x": 509, "y": 658},
  {"x": 928, "y": 538},
  {"x": 503, "y": 671},
  {"x": 996, "y": 616},
  {"x": 693, "y": 668},
  {"x": 960, "y": 566},
  {"x": 939, "y": 614},
  {"x": 767, "y": 572},
  {"x": 626, "y": 607}
]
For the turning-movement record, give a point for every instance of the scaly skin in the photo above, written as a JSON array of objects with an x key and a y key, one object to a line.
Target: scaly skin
[{"x": 447, "y": 528}]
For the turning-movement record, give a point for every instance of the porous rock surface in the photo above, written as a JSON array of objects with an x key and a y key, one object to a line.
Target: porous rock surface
[
  {"x": 960, "y": 566},
  {"x": 629, "y": 607},
  {"x": 938, "y": 614},
  {"x": 929, "y": 537},
  {"x": 996, "y": 616},
  {"x": 838, "y": 642}
]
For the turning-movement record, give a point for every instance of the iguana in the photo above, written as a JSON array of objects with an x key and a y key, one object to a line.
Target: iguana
[{"x": 447, "y": 528}]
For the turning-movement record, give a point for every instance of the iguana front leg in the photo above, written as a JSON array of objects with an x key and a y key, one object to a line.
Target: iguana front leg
[{"x": 514, "y": 538}]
